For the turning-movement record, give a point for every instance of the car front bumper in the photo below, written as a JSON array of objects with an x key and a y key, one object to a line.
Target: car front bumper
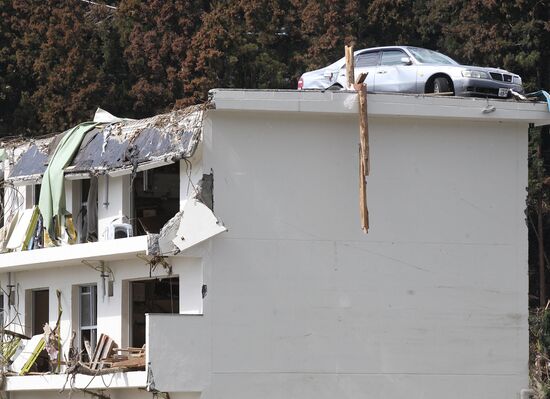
[{"x": 484, "y": 88}]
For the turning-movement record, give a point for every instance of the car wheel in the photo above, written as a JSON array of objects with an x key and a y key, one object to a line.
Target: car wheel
[
  {"x": 335, "y": 86},
  {"x": 442, "y": 85}
]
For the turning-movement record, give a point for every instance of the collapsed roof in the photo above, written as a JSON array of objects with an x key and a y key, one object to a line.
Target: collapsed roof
[{"x": 114, "y": 145}]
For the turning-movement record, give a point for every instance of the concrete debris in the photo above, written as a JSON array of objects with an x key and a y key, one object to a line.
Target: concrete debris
[{"x": 189, "y": 227}]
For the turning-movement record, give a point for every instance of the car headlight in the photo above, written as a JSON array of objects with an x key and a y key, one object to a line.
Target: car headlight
[
  {"x": 470, "y": 73},
  {"x": 516, "y": 80}
]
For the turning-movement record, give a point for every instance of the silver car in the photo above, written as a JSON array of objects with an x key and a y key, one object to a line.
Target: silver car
[{"x": 406, "y": 69}]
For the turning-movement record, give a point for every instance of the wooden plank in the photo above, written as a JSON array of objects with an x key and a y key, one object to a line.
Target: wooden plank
[
  {"x": 350, "y": 66},
  {"x": 134, "y": 362},
  {"x": 107, "y": 350},
  {"x": 364, "y": 151},
  {"x": 97, "y": 352}
]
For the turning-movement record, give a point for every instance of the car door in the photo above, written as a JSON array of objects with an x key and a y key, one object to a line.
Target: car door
[
  {"x": 364, "y": 62},
  {"x": 393, "y": 74}
]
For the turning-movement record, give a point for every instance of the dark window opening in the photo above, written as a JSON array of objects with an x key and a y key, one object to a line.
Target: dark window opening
[
  {"x": 32, "y": 195},
  {"x": 151, "y": 296},
  {"x": 86, "y": 219},
  {"x": 36, "y": 195},
  {"x": 40, "y": 310},
  {"x": 156, "y": 198},
  {"x": 2, "y": 318}
]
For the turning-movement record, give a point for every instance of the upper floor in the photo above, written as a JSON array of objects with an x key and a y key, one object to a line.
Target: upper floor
[{"x": 124, "y": 180}]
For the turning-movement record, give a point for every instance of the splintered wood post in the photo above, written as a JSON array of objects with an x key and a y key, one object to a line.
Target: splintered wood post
[
  {"x": 350, "y": 67},
  {"x": 364, "y": 159}
]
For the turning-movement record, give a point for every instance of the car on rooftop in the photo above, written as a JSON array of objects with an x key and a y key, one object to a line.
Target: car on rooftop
[{"x": 407, "y": 69}]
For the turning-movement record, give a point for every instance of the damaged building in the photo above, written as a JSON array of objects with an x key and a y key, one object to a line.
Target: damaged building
[{"x": 217, "y": 251}]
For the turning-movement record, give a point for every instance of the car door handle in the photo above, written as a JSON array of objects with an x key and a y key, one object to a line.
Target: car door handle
[{"x": 382, "y": 72}]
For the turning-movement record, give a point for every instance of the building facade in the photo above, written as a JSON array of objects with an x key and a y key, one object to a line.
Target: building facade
[{"x": 246, "y": 273}]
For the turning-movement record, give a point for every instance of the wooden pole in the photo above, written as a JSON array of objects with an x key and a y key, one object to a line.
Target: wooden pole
[
  {"x": 364, "y": 159},
  {"x": 350, "y": 67}
]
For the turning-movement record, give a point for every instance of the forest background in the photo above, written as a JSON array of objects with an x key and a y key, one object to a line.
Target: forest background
[{"x": 61, "y": 59}]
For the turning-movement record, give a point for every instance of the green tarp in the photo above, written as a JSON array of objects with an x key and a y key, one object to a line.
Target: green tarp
[{"x": 52, "y": 192}]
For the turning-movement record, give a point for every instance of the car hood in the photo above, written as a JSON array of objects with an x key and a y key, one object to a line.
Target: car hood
[{"x": 486, "y": 69}]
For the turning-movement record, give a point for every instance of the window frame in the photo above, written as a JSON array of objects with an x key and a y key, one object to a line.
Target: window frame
[
  {"x": 378, "y": 54},
  {"x": 403, "y": 54}
]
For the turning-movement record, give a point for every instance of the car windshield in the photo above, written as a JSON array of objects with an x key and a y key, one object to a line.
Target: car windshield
[{"x": 425, "y": 56}]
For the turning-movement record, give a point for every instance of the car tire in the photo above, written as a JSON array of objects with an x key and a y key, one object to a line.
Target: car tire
[
  {"x": 442, "y": 85},
  {"x": 335, "y": 86}
]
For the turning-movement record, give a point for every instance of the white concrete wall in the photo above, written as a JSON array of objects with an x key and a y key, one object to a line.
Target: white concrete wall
[
  {"x": 113, "y": 202},
  {"x": 431, "y": 303}
]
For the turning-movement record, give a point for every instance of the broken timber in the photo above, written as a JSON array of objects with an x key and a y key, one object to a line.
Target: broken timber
[
  {"x": 364, "y": 159},
  {"x": 350, "y": 67}
]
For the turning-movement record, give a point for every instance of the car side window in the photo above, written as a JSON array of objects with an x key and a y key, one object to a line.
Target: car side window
[
  {"x": 367, "y": 59},
  {"x": 392, "y": 57}
]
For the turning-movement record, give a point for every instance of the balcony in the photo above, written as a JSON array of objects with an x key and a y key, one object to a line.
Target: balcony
[
  {"x": 44, "y": 382},
  {"x": 110, "y": 250},
  {"x": 177, "y": 359}
]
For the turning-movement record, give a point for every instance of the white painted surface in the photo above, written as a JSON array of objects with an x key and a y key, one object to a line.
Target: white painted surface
[
  {"x": 178, "y": 348},
  {"x": 115, "y": 191},
  {"x": 433, "y": 301}
]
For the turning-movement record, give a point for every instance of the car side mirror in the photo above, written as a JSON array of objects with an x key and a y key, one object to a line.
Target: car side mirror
[{"x": 406, "y": 61}]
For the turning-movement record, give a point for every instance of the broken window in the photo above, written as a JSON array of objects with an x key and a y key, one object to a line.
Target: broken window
[
  {"x": 32, "y": 195},
  {"x": 151, "y": 296},
  {"x": 87, "y": 320},
  {"x": 155, "y": 199}
]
